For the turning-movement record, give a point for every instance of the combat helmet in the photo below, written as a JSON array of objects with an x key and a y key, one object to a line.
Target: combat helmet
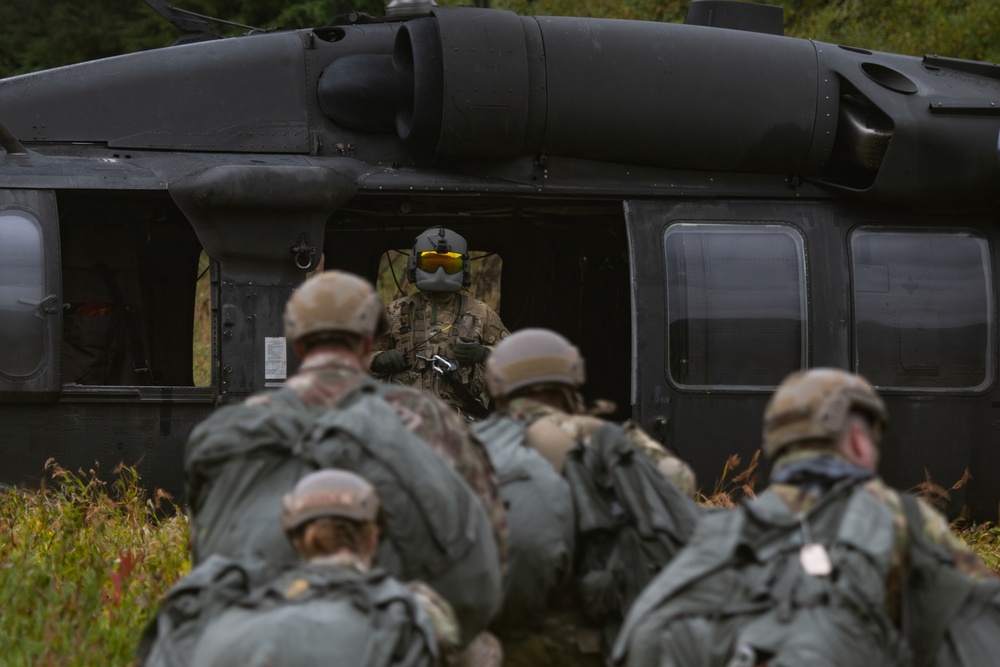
[
  {"x": 533, "y": 356},
  {"x": 814, "y": 405},
  {"x": 329, "y": 493},
  {"x": 335, "y": 301},
  {"x": 439, "y": 261}
]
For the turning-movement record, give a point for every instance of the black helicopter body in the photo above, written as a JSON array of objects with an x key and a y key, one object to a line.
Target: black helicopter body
[{"x": 702, "y": 209}]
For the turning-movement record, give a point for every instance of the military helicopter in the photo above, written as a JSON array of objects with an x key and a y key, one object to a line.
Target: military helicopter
[{"x": 702, "y": 207}]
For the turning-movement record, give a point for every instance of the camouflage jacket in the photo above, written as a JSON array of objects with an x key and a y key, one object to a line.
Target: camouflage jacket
[
  {"x": 426, "y": 324},
  {"x": 935, "y": 528},
  {"x": 581, "y": 427},
  {"x": 326, "y": 376}
]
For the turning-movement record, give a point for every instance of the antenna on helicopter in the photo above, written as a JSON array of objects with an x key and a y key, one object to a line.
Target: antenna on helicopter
[
  {"x": 193, "y": 28},
  {"x": 192, "y": 24},
  {"x": 10, "y": 143}
]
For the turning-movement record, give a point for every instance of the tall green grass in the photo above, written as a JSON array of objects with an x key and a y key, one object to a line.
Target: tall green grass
[{"x": 83, "y": 566}]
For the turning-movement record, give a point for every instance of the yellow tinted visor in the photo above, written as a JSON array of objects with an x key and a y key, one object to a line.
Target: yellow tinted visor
[{"x": 430, "y": 261}]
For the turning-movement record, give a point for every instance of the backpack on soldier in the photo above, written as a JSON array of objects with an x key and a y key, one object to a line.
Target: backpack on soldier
[
  {"x": 241, "y": 614},
  {"x": 762, "y": 585},
  {"x": 540, "y": 519},
  {"x": 243, "y": 459},
  {"x": 630, "y": 523},
  {"x": 952, "y": 621}
]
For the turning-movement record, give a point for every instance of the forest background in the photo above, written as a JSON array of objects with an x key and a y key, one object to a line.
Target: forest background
[{"x": 38, "y": 35}]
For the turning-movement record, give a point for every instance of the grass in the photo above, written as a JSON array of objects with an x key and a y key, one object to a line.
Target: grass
[
  {"x": 84, "y": 564},
  {"x": 82, "y": 568}
]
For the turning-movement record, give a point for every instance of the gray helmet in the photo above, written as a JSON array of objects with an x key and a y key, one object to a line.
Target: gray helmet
[
  {"x": 439, "y": 261},
  {"x": 335, "y": 301},
  {"x": 533, "y": 356},
  {"x": 815, "y": 405},
  {"x": 329, "y": 493}
]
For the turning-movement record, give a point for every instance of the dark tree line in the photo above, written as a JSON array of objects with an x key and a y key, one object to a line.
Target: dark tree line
[{"x": 37, "y": 34}]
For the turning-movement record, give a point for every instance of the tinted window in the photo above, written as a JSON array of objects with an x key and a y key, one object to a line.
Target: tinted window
[
  {"x": 736, "y": 304},
  {"x": 922, "y": 308},
  {"x": 22, "y": 288}
]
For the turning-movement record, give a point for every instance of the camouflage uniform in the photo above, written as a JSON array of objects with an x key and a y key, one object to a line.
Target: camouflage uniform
[
  {"x": 563, "y": 636},
  {"x": 426, "y": 324},
  {"x": 326, "y": 376},
  {"x": 935, "y": 528},
  {"x": 580, "y": 427}
]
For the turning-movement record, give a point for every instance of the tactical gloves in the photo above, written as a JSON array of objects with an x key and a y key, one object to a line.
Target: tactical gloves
[
  {"x": 468, "y": 351},
  {"x": 388, "y": 362}
]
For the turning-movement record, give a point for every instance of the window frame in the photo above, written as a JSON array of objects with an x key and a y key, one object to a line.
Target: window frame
[
  {"x": 991, "y": 304},
  {"x": 799, "y": 239},
  {"x": 43, "y": 383}
]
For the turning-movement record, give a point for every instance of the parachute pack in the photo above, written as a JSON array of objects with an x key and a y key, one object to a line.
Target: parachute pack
[
  {"x": 631, "y": 522},
  {"x": 963, "y": 628},
  {"x": 540, "y": 518},
  {"x": 243, "y": 459},
  {"x": 241, "y": 614},
  {"x": 615, "y": 514},
  {"x": 763, "y": 585}
]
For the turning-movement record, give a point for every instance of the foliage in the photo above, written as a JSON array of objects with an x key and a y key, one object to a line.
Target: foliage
[
  {"x": 733, "y": 483},
  {"x": 984, "y": 539},
  {"x": 202, "y": 355},
  {"x": 956, "y": 28},
  {"x": 39, "y": 35},
  {"x": 82, "y": 569}
]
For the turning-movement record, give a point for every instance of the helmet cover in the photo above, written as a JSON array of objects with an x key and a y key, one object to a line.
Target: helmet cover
[
  {"x": 533, "y": 356},
  {"x": 335, "y": 301},
  {"x": 815, "y": 405},
  {"x": 329, "y": 493}
]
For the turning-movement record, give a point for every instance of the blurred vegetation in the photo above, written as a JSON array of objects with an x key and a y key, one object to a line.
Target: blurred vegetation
[
  {"x": 38, "y": 35},
  {"x": 83, "y": 566},
  {"x": 202, "y": 357}
]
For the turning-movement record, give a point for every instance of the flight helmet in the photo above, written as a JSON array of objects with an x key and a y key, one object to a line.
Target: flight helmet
[
  {"x": 329, "y": 493},
  {"x": 530, "y": 357},
  {"x": 439, "y": 261},
  {"x": 335, "y": 301},
  {"x": 814, "y": 405}
]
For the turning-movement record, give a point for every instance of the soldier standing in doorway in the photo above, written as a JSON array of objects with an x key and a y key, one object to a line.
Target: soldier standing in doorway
[{"x": 439, "y": 338}]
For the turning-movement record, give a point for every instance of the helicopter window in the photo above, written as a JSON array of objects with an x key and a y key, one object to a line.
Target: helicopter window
[
  {"x": 22, "y": 291},
  {"x": 736, "y": 304},
  {"x": 922, "y": 305},
  {"x": 132, "y": 284}
]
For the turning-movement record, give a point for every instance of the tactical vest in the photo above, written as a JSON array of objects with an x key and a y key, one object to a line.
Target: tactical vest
[
  {"x": 540, "y": 519},
  {"x": 465, "y": 386},
  {"x": 243, "y": 459},
  {"x": 237, "y": 614},
  {"x": 761, "y": 585}
]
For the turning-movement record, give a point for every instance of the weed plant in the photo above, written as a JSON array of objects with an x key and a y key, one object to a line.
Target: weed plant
[{"x": 83, "y": 565}]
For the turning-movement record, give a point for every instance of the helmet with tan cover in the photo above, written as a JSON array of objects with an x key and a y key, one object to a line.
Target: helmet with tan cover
[
  {"x": 329, "y": 493},
  {"x": 532, "y": 356},
  {"x": 335, "y": 301},
  {"x": 814, "y": 405}
]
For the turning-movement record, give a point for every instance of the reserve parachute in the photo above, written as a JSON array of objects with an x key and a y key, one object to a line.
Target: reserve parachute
[{"x": 243, "y": 459}]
